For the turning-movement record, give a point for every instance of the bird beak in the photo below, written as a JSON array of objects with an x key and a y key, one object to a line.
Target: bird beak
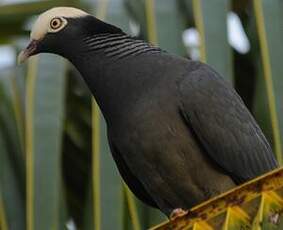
[{"x": 28, "y": 51}]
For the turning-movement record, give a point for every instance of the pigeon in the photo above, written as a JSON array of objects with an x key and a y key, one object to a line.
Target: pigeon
[{"x": 178, "y": 132}]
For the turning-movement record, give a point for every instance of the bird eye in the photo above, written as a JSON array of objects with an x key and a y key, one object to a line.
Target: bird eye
[{"x": 56, "y": 23}]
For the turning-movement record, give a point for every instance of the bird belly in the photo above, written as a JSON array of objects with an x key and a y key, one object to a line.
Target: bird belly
[{"x": 170, "y": 163}]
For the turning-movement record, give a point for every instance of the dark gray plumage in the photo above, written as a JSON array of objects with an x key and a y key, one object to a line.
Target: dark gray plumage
[{"x": 178, "y": 132}]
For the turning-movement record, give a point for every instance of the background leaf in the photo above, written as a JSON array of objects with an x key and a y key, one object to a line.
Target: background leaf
[
  {"x": 211, "y": 22},
  {"x": 44, "y": 120}
]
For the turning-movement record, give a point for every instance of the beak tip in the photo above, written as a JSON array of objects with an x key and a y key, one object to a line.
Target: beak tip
[
  {"x": 30, "y": 50},
  {"x": 21, "y": 58}
]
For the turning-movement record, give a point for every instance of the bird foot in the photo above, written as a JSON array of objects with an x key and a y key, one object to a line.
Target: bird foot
[{"x": 177, "y": 213}]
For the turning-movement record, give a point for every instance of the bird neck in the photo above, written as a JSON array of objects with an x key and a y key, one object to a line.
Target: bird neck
[
  {"x": 117, "y": 46},
  {"x": 106, "y": 64}
]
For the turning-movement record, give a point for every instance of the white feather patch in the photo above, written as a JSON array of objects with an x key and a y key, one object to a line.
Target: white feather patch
[{"x": 42, "y": 24}]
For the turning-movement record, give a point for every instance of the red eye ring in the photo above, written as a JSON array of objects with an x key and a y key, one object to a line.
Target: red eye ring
[{"x": 56, "y": 23}]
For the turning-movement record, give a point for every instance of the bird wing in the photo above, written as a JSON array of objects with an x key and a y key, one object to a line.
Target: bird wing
[{"x": 223, "y": 125}]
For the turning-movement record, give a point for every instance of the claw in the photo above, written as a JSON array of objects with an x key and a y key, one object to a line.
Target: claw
[{"x": 177, "y": 213}]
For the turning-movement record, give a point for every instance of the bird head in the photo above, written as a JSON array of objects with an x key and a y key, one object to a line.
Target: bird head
[
  {"x": 51, "y": 29},
  {"x": 61, "y": 30}
]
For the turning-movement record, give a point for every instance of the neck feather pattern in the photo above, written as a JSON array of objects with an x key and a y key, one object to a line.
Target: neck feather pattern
[{"x": 119, "y": 45}]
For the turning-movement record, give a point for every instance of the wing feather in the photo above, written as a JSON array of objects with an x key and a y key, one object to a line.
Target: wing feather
[{"x": 224, "y": 126}]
